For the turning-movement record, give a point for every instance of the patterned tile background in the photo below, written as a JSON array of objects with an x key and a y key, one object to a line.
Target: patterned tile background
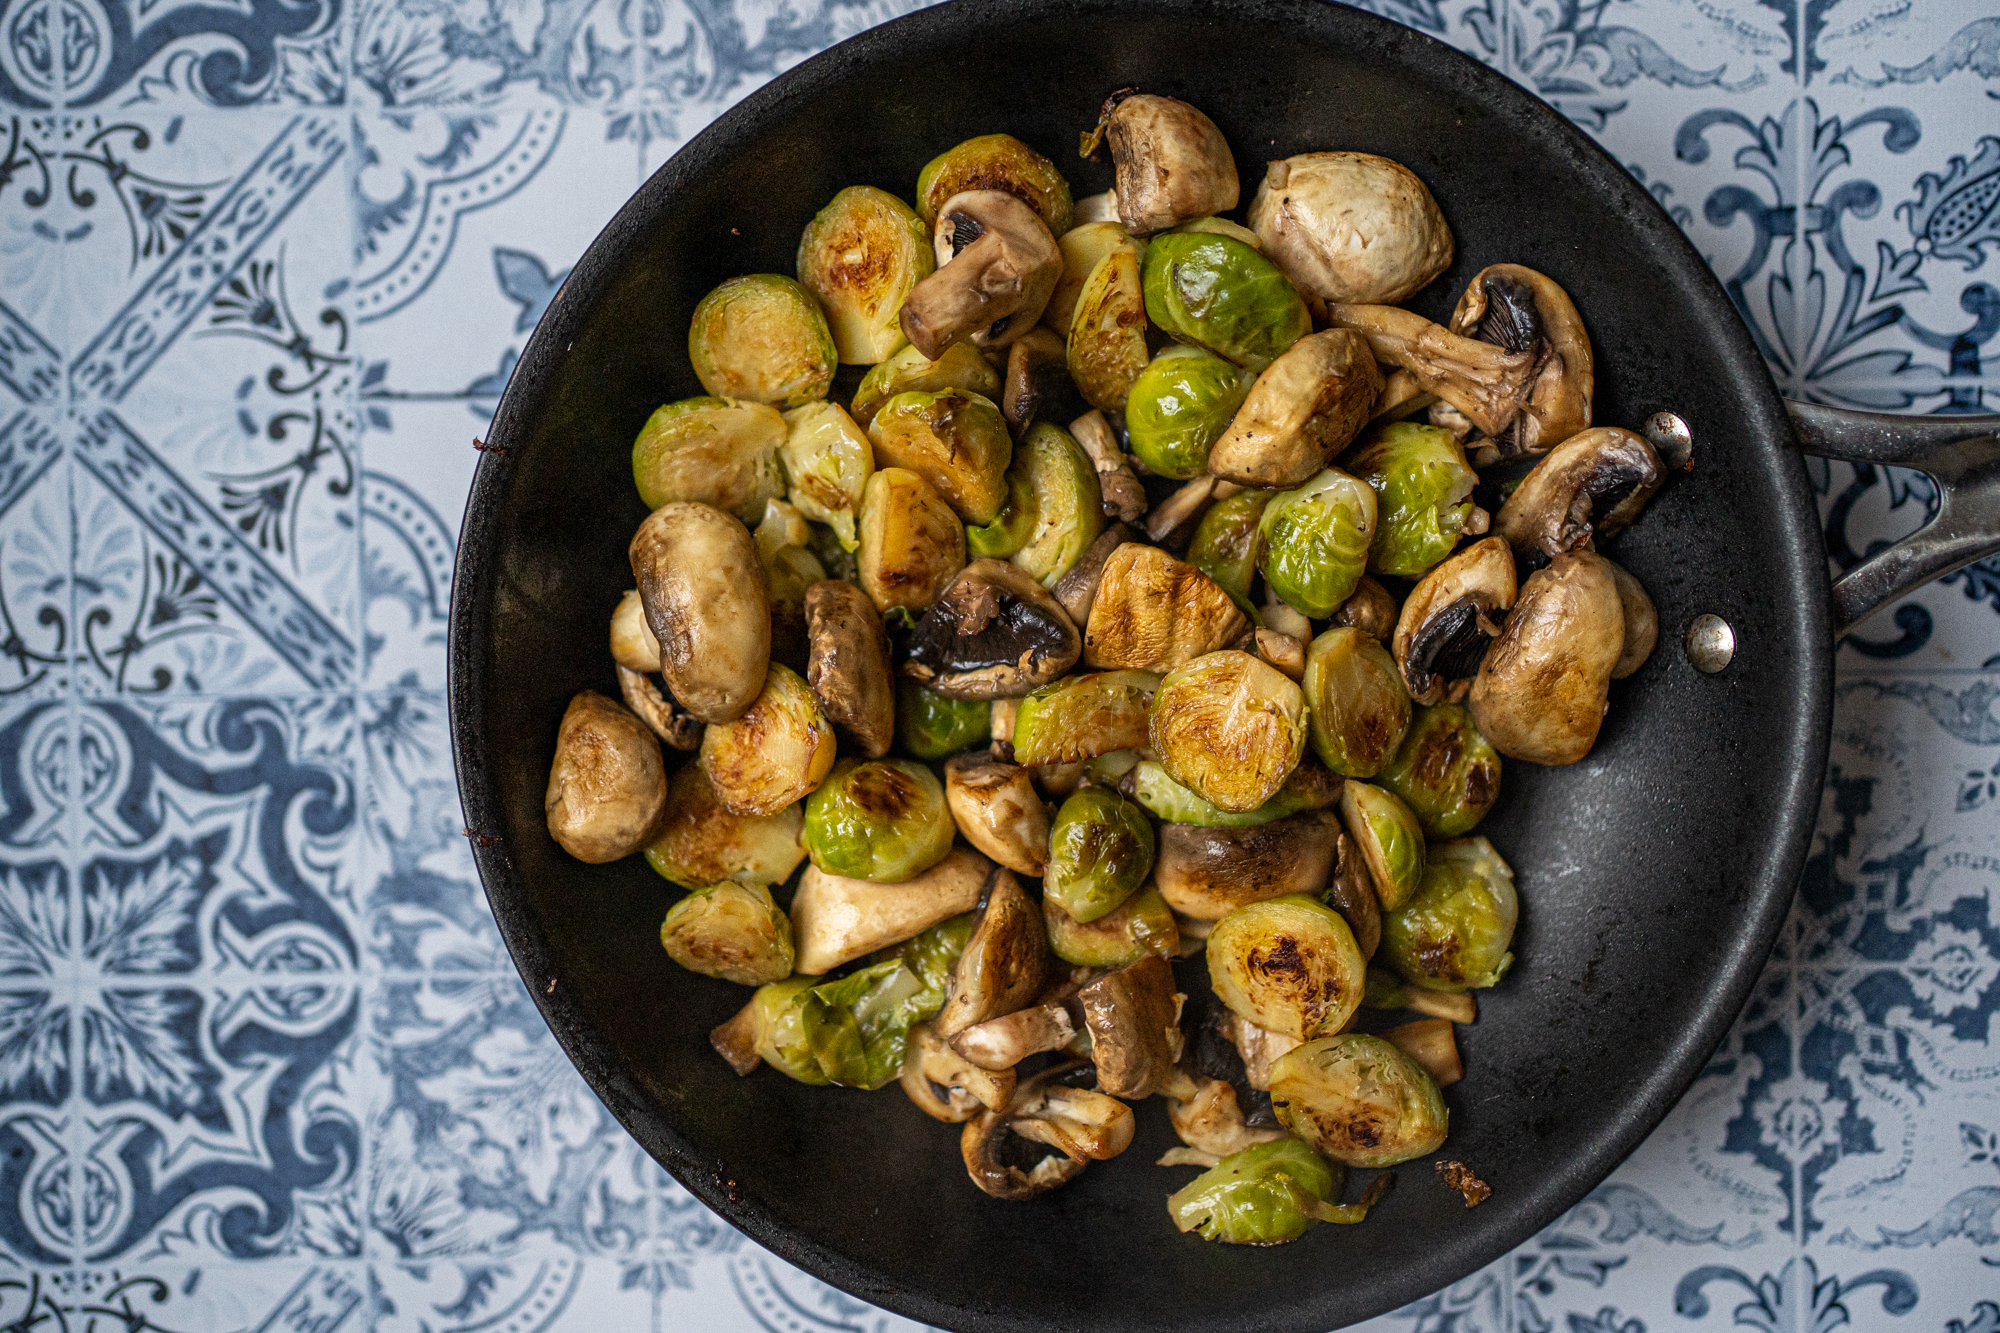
[{"x": 265, "y": 266}]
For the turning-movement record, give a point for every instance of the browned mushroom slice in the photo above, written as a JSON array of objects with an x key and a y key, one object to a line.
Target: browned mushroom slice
[
  {"x": 1515, "y": 307},
  {"x": 708, "y": 606},
  {"x": 1003, "y": 267},
  {"x": 736, "y": 1040},
  {"x": 1371, "y": 608},
  {"x": 1259, "y": 1048},
  {"x": 1172, "y": 162},
  {"x": 1174, "y": 520},
  {"x": 1038, "y": 383},
  {"x": 1542, "y": 691},
  {"x": 1488, "y": 383},
  {"x": 1076, "y": 588},
  {"x": 1351, "y": 892},
  {"x": 836, "y": 919},
  {"x": 1208, "y": 872},
  {"x": 1302, "y": 411},
  {"x": 1642, "y": 622},
  {"x": 1134, "y": 1020},
  {"x": 997, "y": 810},
  {"x": 1433, "y": 1045},
  {"x": 607, "y": 785},
  {"x": 848, "y": 666},
  {"x": 1585, "y": 490},
  {"x": 1206, "y": 1115},
  {"x": 1081, "y": 1125},
  {"x": 632, "y": 643},
  {"x": 1154, "y": 613},
  {"x": 944, "y": 1084},
  {"x": 1124, "y": 494},
  {"x": 1451, "y": 617},
  {"x": 657, "y": 711},
  {"x": 1003, "y": 965},
  {"x": 994, "y": 632},
  {"x": 1282, "y": 651},
  {"x": 1003, "y": 1042}
]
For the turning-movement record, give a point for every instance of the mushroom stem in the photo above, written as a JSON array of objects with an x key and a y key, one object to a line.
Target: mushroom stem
[
  {"x": 1124, "y": 493},
  {"x": 1489, "y": 384},
  {"x": 656, "y": 710},
  {"x": 1431, "y": 1043}
]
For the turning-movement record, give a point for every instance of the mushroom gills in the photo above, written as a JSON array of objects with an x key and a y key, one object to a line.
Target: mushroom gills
[
  {"x": 1450, "y": 644},
  {"x": 1511, "y": 320}
]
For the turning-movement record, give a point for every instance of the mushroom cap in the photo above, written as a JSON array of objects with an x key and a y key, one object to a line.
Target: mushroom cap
[
  {"x": 1543, "y": 689},
  {"x": 1207, "y": 872},
  {"x": 1133, "y": 1016},
  {"x": 993, "y": 633},
  {"x": 1451, "y": 616},
  {"x": 998, "y": 811},
  {"x": 1350, "y": 227},
  {"x": 1172, "y": 162},
  {"x": 998, "y": 267},
  {"x": 848, "y": 665},
  {"x": 708, "y": 604},
  {"x": 1303, "y": 410},
  {"x": 1585, "y": 490},
  {"x": 1004, "y": 962},
  {"x": 607, "y": 785},
  {"x": 1516, "y": 307}
]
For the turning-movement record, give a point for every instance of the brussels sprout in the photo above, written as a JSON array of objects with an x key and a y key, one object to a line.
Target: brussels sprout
[
  {"x": 931, "y": 956},
  {"x": 784, "y": 1019},
  {"x": 858, "y": 1026},
  {"x": 1100, "y": 851},
  {"x": 731, "y": 931},
  {"x": 1215, "y": 292},
  {"x": 1083, "y": 248},
  {"x": 860, "y": 255},
  {"x": 933, "y": 726},
  {"x": 827, "y": 459},
  {"x": 1179, "y": 407},
  {"x": 1265, "y": 1194},
  {"x": 1359, "y": 707},
  {"x": 1424, "y": 495},
  {"x": 912, "y": 544},
  {"x": 1107, "y": 332},
  {"x": 961, "y": 366},
  {"x": 884, "y": 820},
  {"x": 762, "y": 337},
  {"x": 1230, "y": 728},
  {"x": 1140, "y": 925},
  {"x": 1390, "y": 838},
  {"x": 715, "y": 450},
  {"x": 1083, "y": 717},
  {"x": 996, "y": 162},
  {"x": 1012, "y": 528},
  {"x": 1445, "y": 771},
  {"x": 1453, "y": 935},
  {"x": 1229, "y": 542},
  {"x": 1068, "y": 501},
  {"x": 955, "y": 440},
  {"x": 790, "y": 568},
  {"x": 700, "y": 842},
  {"x": 774, "y": 754},
  {"x": 1310, "y": 787},
  {"x": 1316, "y": 541},
  {"x": 1290, "y": 965},
  {"x": 1358, "y": 1100}
]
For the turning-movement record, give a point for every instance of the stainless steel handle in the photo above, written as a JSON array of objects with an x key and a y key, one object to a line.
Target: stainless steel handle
[{"x": 1962, "y": 454}]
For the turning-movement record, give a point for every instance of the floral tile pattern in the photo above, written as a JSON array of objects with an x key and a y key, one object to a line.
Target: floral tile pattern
[{"x": 265, "y": 267}]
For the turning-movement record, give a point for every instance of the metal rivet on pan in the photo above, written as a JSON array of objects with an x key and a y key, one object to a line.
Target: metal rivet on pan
[
  {"x": 1671, "y": 439},
  {"x": 1710, "y": 643}
]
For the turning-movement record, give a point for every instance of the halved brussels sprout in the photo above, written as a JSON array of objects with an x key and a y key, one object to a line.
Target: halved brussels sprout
[
  {"x": 912, "y": 544},
  {"x": 1215, "y": 292},
  {"x": 1140, "y": 925},
  {"x": 884, "y": 821},
  {"x": 762, "y": 337},
  {"x": 1012, "y": 528},
  {"x": 860, "y": 255},
  {"x": 1107, "y": 332},
  {"x": 1316, "y": 541},
  {"x": 1068, "y": 501},
  {"x": 1390, "y": 838},
  {"x": 960, "y": 366},
  {"x": 1310, "y": 787},
  {"x": 1230, "y": 728},
  {"x": 1155, "y": 613},
  {"x": 933, "y": 726},
  {"x": 1100, "y": 851},
  {"x": 730, "y": 931},
  {"x": 774, "y": 754},
  {"x": 790, "y": 568},
  {"x": 1359, "y": 707},
  {"x": 1446, "y": 772},
  {"x": 1424, "y": 495},
  {"x": 1229, "y": 542},
  {"x": 783, "y": 1019},
  {"x": 1221, "y": 227},
  {"x": 700, "y": 842},
  {"x": 1179, "y": 406},
  {"x": 827, "y": 460},
  {"x": 1084, "y": 716},
  {"x": 1454, "y": 934},
  {"x": 1265, "y": 1194},
  {"x": 1358, "y": 1100},
  {"x": 996, "y": 162},
  {"x": 1083, "y": 247},
  {"x": 955, "y": 440},
  {"x": 1290, "y": 965},
  {"x": 860, "y": 1029},
  {"x": 716, "y": 450}
]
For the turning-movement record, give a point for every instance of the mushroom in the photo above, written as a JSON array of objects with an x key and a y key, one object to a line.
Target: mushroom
[
  {"x": 1095, "y": 208},
  {"x": 607, "y": 785},
  {"x": 1401, "y": 397},
  {"x": 657, "y": 711},
  {"x": 1207, "y": 872},
  {"x": 1208, "y": 1119},
  {"x": 1124, "y": 494},
  {"x": 1515, "y": 307},
  {"x": 1081, "y": 1124},
  {"x": 1173, "y": 520},
  {"x": 1302, "y": 411},
  {"x": 1172, "y": 163},
  {"x": 1038, "y": 382},
  {"x": 1282, "y": 651},
  {"x": 1370, "y": 608},
  {"x": 1542, "y": 691},
  {"x": 1584, "y": 490},
  {"x": 1350, "y": 226},
  {"x": 1488, "y": 383},
  {"x": 735, "y": 1040},
  {"x": 1078, "y": 586},
  {"x": 632, "y": 643},
  {"x": 993, "y": 633},
  {"x": 1642, "y": 622},
  {"x": 706, "y": 601},
  {"x": 1433, "y": 1045},
  {"x": 996, "y": 808},
  {"x": 1283, "y": 618},
  {"x": 945, "y": 1085},
  {"x": 1004, "y": 962},
  {"x": 847, "y": 665},
  {"x": 1000, "y": 728},
  {"x": 1154, "y": 613},
  {"x": 1351, "y": 892},
  {"x": 836, "y": 919},
  {"x": 1003, "y": 1042},
  {"x": 1258, "y": 1047},
  {"x": 1451, "y": 617},
  {"x": 998, "y": 264},
  {"x": 1134, "y": 1017}
]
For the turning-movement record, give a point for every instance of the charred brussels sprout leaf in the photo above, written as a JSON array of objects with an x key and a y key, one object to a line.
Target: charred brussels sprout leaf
[
  {"x": 731, "y": 931},
  {"x": 1100, "y": 851},
  {"x": 996, "y": 162},
  {"x": 762, "y": 337},
  {"x": 1107, "y": 332},
  {"x": 933, "y": 726},
  {"x": 1359, "y": 707},
  {"x": 1265, "y": 1194},
  {"x": 1217, "y": 293},
  {"x": 718, "y": 451},
  {"x": 884, "y": 820},
  {"x": 1140, "y": 925},
  {"x": 1230, "y": 728},
  {"x": 1179, "y": 407},
  {"x": 1290, "y": 965},
  {"x": 1358, "y": 1100},
  {"x": 1084, "y": 717},
  {"x": 1069, "y": 510},
  {"x": 1228, "y": 544},
  {"x": 1454, "y": 935},
  {"x": 1316, "y": 541},
  {"x": 1424, "y": 495},
  {"x": 1390, "y": 838},
  {"x": 860, "y": 255},
  {"x": 960, "y": 366},
  {"x": 827, "y": 460},
  {"x": 1445, "y": 771}
]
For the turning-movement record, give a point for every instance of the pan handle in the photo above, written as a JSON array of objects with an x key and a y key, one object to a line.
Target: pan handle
[{"x": 1962, "y": 454}]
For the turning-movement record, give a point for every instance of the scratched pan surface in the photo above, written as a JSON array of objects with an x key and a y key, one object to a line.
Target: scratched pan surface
[{"x": 1653, "y": 875}]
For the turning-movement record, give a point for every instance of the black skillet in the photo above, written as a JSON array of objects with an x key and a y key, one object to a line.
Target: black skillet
[{"x": 1653, "y": 874}]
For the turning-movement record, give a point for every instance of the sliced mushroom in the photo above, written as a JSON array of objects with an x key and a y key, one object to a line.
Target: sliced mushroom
[
  {"x": 1003, "y": 965},
  {"x": 836, "y": 919},
  {"x": 1172, "y": 162},
  {"x": 1282, "y": 618},
  {"x": 657, "y": 711},
  {"x": 1208, "y": 872},
  {"x": 1095, "y": 208},
  {"x": 1038, "y": 382},
  {"x": 1076, "y": 588},
  {"x": 1003, "y": 1042},
  {"x": 1433, "y": 1045},
  {"x": 1450, "y": 619},
  {"x": 1542, "y": 691},
  {"x": 996, "y": 808},
  {"x": 1282, "y": 651},
  {"x": 1302, "y": 411},
  {"x": 1488, "y": 383},
  {"x": 607, "y": 785},
  {"x": 1515, "y": 307},
  {"x": 1371, "y": 608},
  {"x": 1124, "y": 493},
  {"x": 848, "y": 667},
  {"x": 945, "y": 1085},
  {"x": 1154, "y": 613},
  {"x": 1001, "y": 729},
  {"x": 1642, "y": 622},
  {"x": 1134, "y": 1018},
  {"x": 1350, "y": 226},
  {"x": 1205, "y": 1114},
  {"x": 993, "y": 633},
  {"x": 706, "y": 601},
  {"x": 998, "y": 266},
  {"x": 1351, "y": 892},
  {"x": 1081, "y": 1124},
  {"x": 1584, "y": 490},
  {"x": 1259, "y": 1048},
  {"x": 632, "y": 643},
  {"x": 1173, "y": 521},
  {"x": 735, "y": 1040},
  {"x": 1402, "y": 396}
]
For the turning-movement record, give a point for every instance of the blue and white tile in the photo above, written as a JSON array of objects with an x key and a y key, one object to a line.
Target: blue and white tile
[
  {"x": 37, "y": 599},
  {"x": 463, "y": 55},
  {"x": 194, "y": 56}
]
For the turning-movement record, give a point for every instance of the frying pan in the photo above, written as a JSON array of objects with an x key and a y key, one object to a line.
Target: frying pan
[{"x": 1653, "y": 875}]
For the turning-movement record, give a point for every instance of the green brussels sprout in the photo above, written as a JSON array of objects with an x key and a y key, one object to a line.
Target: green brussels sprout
[
  {"x": 1358, "y": 1100},
  {"x": 1082, "y": 717},
  {"x": 1069, "y": 503},
  {"x": 910, "y": 371},
  {"x": 699, "y": 842},
  {"x": 1229, "y": 542},
  {"x": 860, "y": 255},
  {"x": 1100, "y": 851},
  {"x": 1083, "y": 248},
  {"x": 1178, "y": 408},
  {"x": 1424, "y": 494},
  {"x": 1390, "y": 838},
  {"x": 731, "y": 931},
  {"x": 996, "y": 162},
  {"x": 827, "y": 461},
  {"x": 1012, "y": 527},
  {"x": 954, "y": 439},
  {"x": 931, "y": 956},
  {"x": 719, "y": 451},
  {"x": 1230, "y": 728},
  {"x": 884, "y": 820},
  {"x": 1265, "y": 1194},
  {"x": 1445, "y": 771},
  {"x": 1310, "y": 787},
  {"x": 1106, "y": 348},
  {"x": 762, "y": 337},
  {"x": 1316, "y": 542},
  {"x": 930, "y": 725},
  {"x": 1453, "y": 935},
  {"x": 858, "y": 1026},
  {"x": 784, "y": 1016},
  {"x": 1140, "y": 925},
  {"x": 1217, "y": 293},
  {"x": 1360, "y": 709},
  {"x": 1290, "y": 965}
]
